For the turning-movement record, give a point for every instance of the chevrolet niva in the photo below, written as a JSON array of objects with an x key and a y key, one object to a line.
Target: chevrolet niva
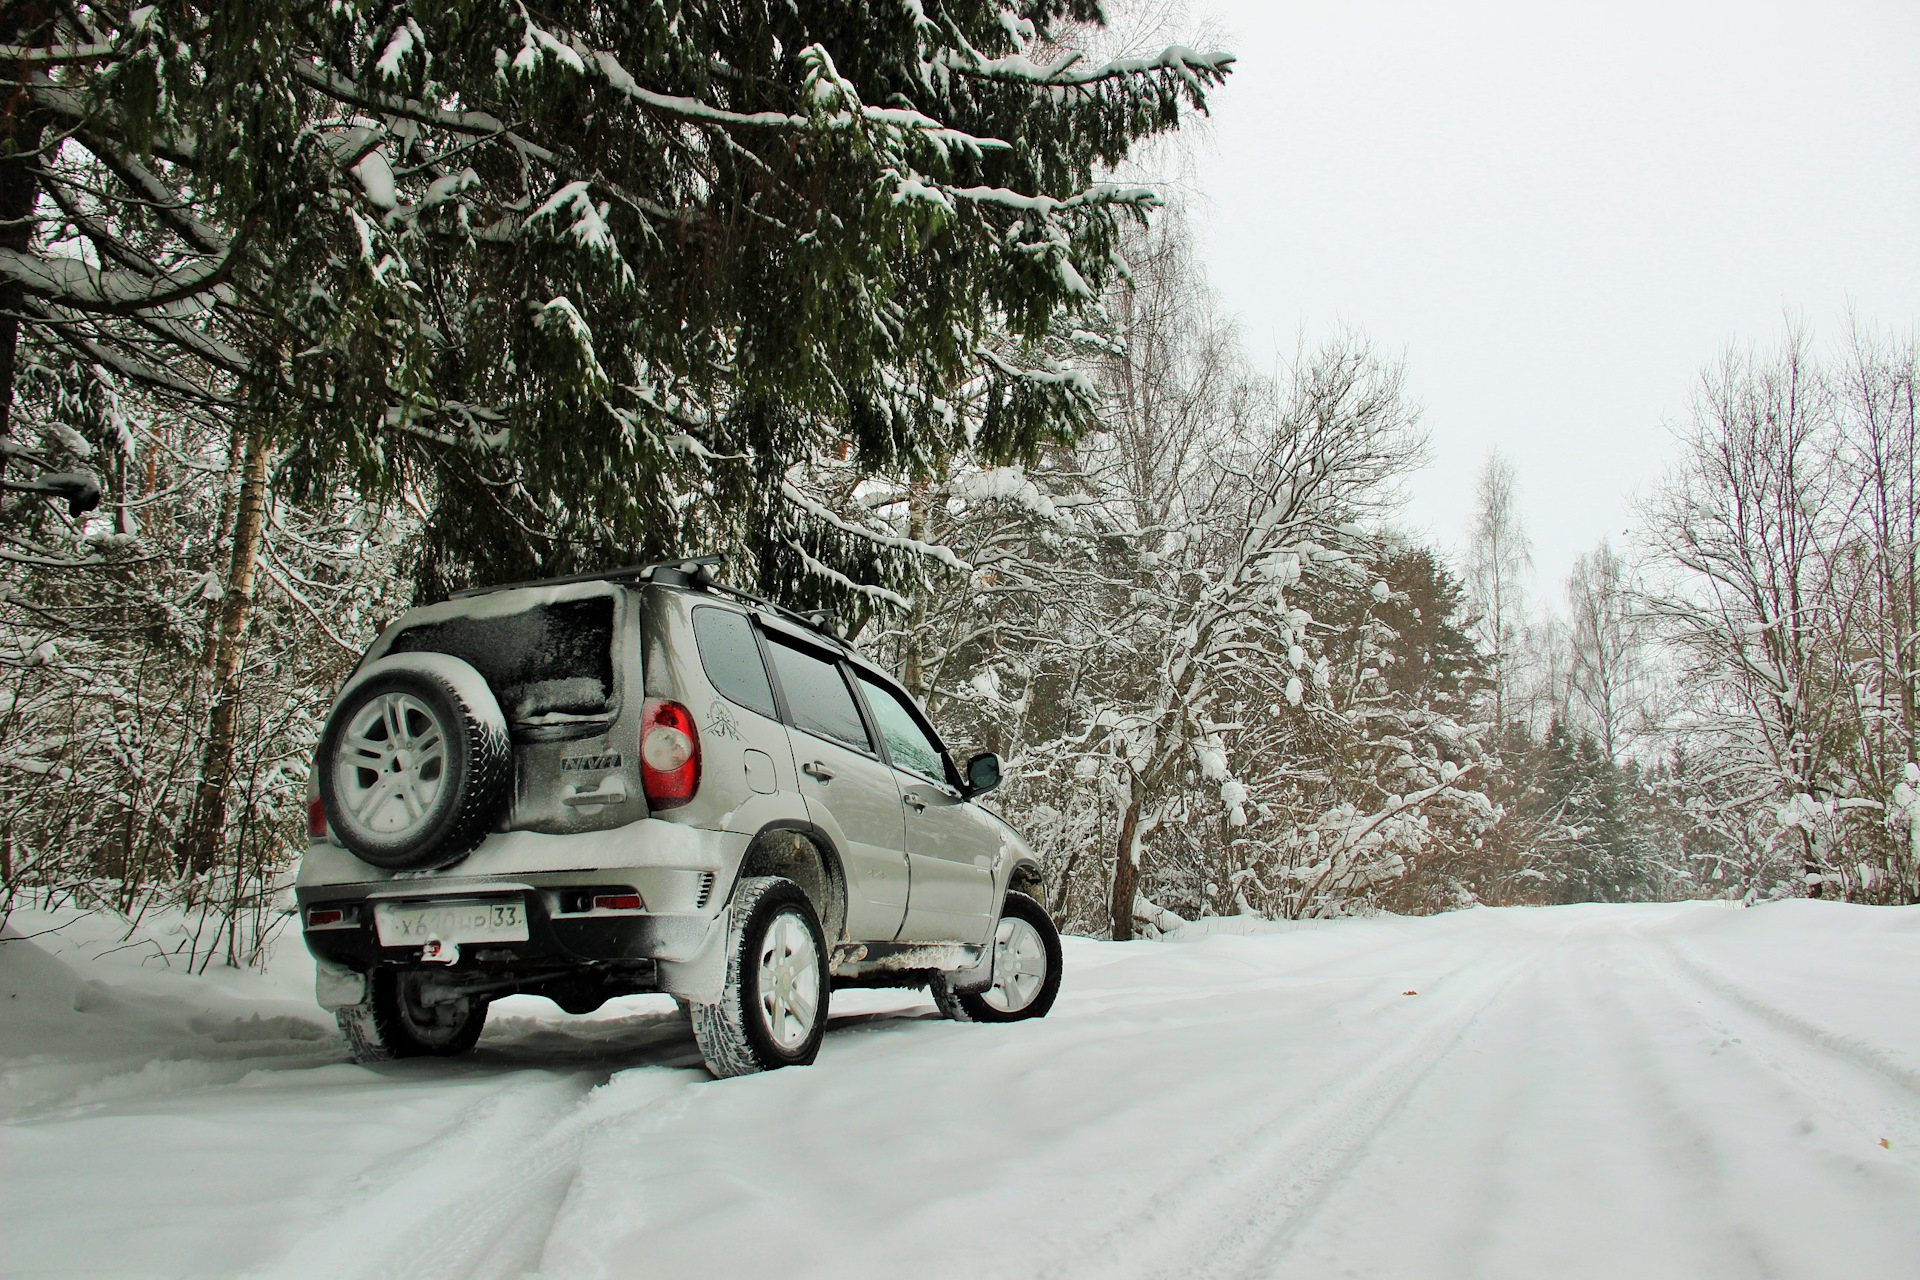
[{"x": 648, "y": 781}]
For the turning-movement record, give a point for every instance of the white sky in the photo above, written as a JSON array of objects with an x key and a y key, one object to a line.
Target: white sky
[{"x": 1560, "y": 212}]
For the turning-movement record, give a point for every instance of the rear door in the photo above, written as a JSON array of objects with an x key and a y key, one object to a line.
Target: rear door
[
  {"x": 849, "y": 790},
  {"x": 951, "y": 845}
]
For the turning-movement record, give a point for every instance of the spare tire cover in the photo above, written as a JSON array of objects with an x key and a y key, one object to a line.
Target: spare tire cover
[{"x": 415, "y": 764}]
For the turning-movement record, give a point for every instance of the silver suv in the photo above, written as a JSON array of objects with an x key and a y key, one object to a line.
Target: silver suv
[{"x": 648, "y": 781}]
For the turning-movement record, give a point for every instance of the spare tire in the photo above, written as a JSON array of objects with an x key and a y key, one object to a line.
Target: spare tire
[{"x": 415, "y": 764}]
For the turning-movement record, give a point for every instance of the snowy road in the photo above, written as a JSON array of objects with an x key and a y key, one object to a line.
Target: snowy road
[{"x": 1685, "y": 1091}]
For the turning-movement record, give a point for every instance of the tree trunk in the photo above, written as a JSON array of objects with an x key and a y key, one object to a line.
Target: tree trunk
[
  {"x": 913, "y": 658},
  {"x": 21, "y": 132},
  {"x": 222, "y": 532},
  {"x": 1810, "y": 867},
  {"x": 203, "y": 839},
  {"x": 1126, "y": 874}
]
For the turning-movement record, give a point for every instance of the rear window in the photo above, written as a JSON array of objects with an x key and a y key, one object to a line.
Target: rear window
[
  {"x": 732, "y": 659},
  {"x": 552, "y": 662}
]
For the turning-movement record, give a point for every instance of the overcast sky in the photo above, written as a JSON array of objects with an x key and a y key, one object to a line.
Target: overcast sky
[{"x": 1559, "y": 212}]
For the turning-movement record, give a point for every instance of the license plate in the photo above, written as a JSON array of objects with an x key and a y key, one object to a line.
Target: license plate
[{"x": 412, "y": 924}]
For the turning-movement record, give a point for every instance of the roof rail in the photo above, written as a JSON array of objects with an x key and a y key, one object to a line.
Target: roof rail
[
  {"x": 813, "y": 619},
  {"x": 691, "y": 568},
  {"x": 690, "y": 565}
]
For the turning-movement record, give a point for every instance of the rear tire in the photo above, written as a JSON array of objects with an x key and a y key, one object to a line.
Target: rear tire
[
  {"x": 1026, "y": 969},
  {"x": 773, "y": 1011},
  {"x": 396, "y": 1023}
]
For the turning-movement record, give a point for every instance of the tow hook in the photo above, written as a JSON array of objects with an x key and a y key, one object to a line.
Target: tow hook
[{"x": 438, "y": 952}]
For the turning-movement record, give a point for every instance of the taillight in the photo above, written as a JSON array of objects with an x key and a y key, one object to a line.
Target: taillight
[
  {"x": 320, "y": 917},
  {"x": 669, "y": 754},
  {"x": 317, "y": 818},
  {"x": 618, "y": 902}
]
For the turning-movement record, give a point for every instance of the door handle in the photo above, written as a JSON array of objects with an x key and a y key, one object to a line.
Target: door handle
[
  {"x": 610, "y": 791},
  {"x": 914, "y": 802},
  {"x": 814, "y": 769}
]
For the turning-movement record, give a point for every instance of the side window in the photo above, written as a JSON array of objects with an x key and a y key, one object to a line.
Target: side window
[
  {"x": 817, "y": 696},
  {"x": 907, "y": 742},
  {"x": 732, "y": 659}
]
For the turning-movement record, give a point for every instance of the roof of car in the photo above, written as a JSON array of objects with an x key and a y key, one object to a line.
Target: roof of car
[{"x": 685, "y": 572}]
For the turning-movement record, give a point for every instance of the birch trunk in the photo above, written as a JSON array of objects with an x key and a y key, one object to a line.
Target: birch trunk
[
  {"x": 913, "y": 659},
  {"x": 203, "y": 839}
]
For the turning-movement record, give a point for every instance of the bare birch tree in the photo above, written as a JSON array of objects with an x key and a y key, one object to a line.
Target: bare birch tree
[
  {"x": 1607, "y": 677},
  {"x": 1499, "y": 557},
  {"x": 1749, "y": 529}
]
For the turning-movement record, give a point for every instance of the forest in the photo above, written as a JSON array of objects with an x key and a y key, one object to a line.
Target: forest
[{"x": 347, "y": 307}]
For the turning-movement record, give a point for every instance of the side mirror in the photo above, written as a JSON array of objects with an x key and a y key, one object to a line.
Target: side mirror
[{"x": 983, "y": 773}]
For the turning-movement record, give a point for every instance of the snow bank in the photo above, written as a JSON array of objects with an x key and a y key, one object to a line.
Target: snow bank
[{"x": 87, "y": 1015}]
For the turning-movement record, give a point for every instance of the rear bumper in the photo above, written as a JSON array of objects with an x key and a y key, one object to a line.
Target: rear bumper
[
  {"x": 682, "y": 875},
  {"x": 554, "y": 939}
]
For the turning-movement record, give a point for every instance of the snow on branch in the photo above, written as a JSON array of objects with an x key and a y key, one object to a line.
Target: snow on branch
[
  {"x": 69, "y": 282},
  {"x": 828, "y": 89},
  {"x": 833, "y": 575},
  {"x": 1191, "y": 66},
  {"x": 342, "y": 89},
  {"x": 913, "y": 545}
]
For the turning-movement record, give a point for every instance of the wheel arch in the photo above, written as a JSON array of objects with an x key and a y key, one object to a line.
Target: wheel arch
[
  {"x": 1026, "y": 877},
  {"x": 806, "y": 855}
]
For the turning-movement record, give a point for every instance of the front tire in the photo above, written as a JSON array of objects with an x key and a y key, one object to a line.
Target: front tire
[
  {"x": 773, "y": 1011},
  {"x": 396, "y": 1022},
  {"x": 1026, "y": 969}
]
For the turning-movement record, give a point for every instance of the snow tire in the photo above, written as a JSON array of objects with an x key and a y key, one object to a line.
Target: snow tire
[
  {"x": 415, "y": 765},
  {"x": 1024, "y": 934},
  {"x": 771, "y": 928},
  {"x": 395, "y": 1023}
]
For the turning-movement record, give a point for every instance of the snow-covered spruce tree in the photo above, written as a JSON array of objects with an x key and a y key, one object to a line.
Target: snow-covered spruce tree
[{"x": 611, "y": 272}]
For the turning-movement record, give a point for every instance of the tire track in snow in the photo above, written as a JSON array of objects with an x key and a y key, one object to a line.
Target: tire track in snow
[
  {"x": 1688, "y": 1148},
  {"x": 386, "y": 1207},
  {"x": 212, "y": 1052},
  {"x": 1333, "y": 1152},
  {"x": 1724, "y": 1132},
  {"x": 1850, "y": 1049},
  {"x": 1465, "y": 1164},
  {"x": 501, "y": 1228},
  {"x": 1856, "y": 1083},
  {"x": 1220, "y": 1215},
  {"x": 478, "y": 1198}
]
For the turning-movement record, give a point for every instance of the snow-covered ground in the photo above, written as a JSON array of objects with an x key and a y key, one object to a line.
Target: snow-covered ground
[{"x": 1687, "y": 1091}]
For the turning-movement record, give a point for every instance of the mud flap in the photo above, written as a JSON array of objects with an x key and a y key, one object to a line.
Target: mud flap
[
  {"x": 702, "y": 978},
  {"x": 338, "y": 987},
  {"x": 977, "y": 977}
]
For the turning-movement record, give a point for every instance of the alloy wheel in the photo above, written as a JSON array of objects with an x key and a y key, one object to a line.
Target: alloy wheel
[
  {"x": 789, "y": 981},
  {"x": 1019, "y": 966},
  {"x": 391, "y": 765}
]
